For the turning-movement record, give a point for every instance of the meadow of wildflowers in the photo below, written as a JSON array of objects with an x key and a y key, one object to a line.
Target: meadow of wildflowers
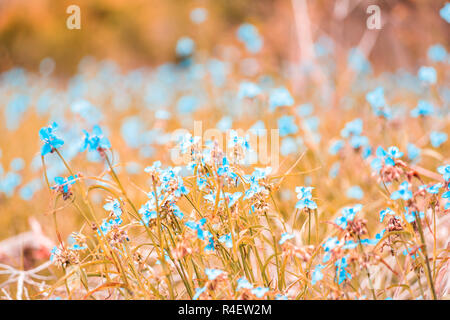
[{"x": 210, "y": 177}]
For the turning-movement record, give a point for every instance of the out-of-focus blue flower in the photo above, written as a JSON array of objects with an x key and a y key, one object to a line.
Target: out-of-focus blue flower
[
  {"x": 243, "y": 283},
  {"x": 287, "y": 125},
  {"x": 249, "y": 35},
  {"x": 198, "y": 15},
  {"x": 187, "y": 104},
  {"x": 185, "y": 47},
  {"x": 248, "y": 90},
  {"x": 445, "y": 12},
  {"x": 317, "y": 274},
  {"x": 285, "y": 236},
  {"x": 280, "y": 97},
  {"x": 403, "y": 192},
  {"x": 10, "y": 182},
  {"x": 355, "y": 192},
  {"x": 437, "y": 138},
  {"x": 288, "y": 146},
  {"x": 424, "y": 108},
  {"x": 260, "y": 291},
  {"x": 376, "y": 98},
  {"x": 427, "y": 74},
  {"x": 335, "y": 147},
  {"x": 334, "y": 170},
  {"x": 213, "y": 273},
  {"x": 437, "y": 53},
  {"x": 305, "y": 109},
  {"x": 17, "y": 164},
  {"x": 358, "y": 62},
  {"x": 352, "y": 128},
  {"x": 51, "y": 141},
  {"x": 413, "y": 151}
]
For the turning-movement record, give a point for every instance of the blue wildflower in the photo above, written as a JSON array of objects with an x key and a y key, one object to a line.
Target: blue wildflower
[
  {"x": 445, "y": 12},
  {"x": 96, "y": 141},
  {"x": 348, "y": 214},
  {"x": 427, "y": 75},
  {"x": 355, "y": 192},
  {"x": 437, "y": 53},
  {"x": 445, "y": 171},
  {"x": 424, "y": 108},
  {"x": 403, "y": 192},
  {"x": 280, "y": 97},
  {"x": 185, "y": 47},
  {"x": 437, "y": 138},
  {"x": 51, "y": 141}
]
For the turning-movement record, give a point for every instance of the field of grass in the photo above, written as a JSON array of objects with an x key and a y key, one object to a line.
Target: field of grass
[{"x": 224, "y": 174}]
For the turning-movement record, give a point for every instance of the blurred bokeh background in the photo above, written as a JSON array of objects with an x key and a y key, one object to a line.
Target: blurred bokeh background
[{"x": 144, "y": 32}]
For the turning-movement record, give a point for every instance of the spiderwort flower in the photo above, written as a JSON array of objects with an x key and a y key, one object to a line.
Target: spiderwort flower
[
  {"x": 385, "y": 158},
  {"x": 63, "y": 184},
  {"x": 114, "y": 206},
  {"x": 348, "y": 214},
  {"x": 305, "y": 198},
  {"x": 446, "y": 195},
  {"x": 403, "y": 192},
  {"x": 96, "y": 141},
  {"x": 51, "y": 141},
  {"x": 445, "y": 171}
]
